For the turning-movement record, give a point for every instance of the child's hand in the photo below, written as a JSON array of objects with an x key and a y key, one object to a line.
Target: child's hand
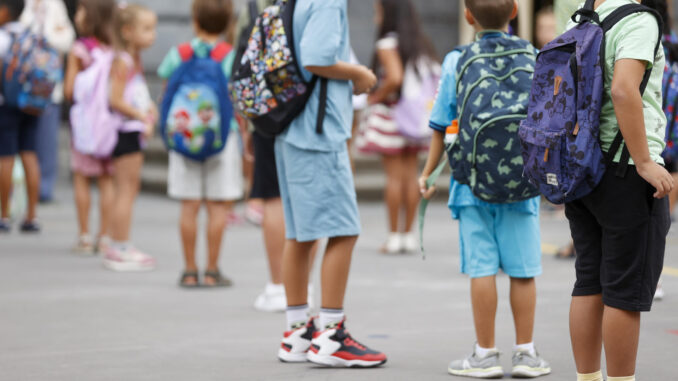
[
  {"x": 364, "y": 81},
  {"x": 657, "y": 176},
  {"x": 426, "y": 192},
  {"x": 149, "y": 130}
]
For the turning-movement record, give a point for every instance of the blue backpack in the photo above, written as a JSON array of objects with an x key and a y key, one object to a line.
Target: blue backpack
[
  {"x": 561, "y": 135},
  {"x": 493, "y": 86},
  {"x": 670, "y": 99},
  {"x": 196, "y": 110},
  {"x": 31, "y": 69}
]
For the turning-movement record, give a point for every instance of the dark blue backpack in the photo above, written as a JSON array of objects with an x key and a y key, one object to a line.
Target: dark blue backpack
[
  {"x": 561, "y": 135},
  {"x": 196, "y": 110},
  {"x": 493, "y": 86},
  {"x": 670, "y": 101}
]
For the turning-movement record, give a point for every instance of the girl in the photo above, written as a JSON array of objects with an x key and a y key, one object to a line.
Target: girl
[
  {"x": 400, "y": 41},
  {"x": 134, "y": 29},
  {"x": 93, "y": 22}
]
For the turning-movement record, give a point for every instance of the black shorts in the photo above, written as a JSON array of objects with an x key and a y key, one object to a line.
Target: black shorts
[
  {"x": 18, "y": 131},
  {"x": 128, "y": 143},
  {"x": 265, "y": 184},
  {"x": 619, "y": 234}
]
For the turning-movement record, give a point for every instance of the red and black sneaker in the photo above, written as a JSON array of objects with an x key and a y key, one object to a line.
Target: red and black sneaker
[
  {"x": 335, "y": 347},
  {"x": 295, "y": 343}
]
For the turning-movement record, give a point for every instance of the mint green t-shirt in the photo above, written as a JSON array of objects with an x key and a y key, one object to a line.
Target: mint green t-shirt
[{"x": 634, "y": 37}]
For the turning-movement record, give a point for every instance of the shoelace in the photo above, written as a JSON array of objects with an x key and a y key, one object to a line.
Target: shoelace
[{"x": 351, "y": 342}]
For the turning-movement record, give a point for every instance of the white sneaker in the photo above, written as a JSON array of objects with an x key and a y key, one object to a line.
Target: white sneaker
[
  {"x": 394, "y": 244},
  {"x": 273, "y": 299},
  {"x": 127, "y": 260},
  {"x": 410, "y": 242},
  {"x": 295, "y": 343},
  {"x": 659, "y": 294}
]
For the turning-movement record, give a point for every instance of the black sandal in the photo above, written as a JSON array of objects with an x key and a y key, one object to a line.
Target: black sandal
[
  {"x": 219, "y": 280},
  {"x": 186, "y": 276}
]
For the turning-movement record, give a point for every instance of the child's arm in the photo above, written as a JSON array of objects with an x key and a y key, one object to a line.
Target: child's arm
[
  {"x": 119, "y": 75},
  {"x": 390, "y": 61},
  {"x": 362, "y": 77},
  {"x": 434, "y": 154},
  {"x": 73, "y": 67},
  {"x": 628, "y": 106}
]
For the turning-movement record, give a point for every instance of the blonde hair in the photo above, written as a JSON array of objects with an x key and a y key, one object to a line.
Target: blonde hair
[{"x": 126, "y": 15}]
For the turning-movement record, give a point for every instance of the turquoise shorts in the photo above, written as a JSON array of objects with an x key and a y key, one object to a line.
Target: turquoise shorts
[
  {"x": 317, "y": 192},
  {"x": 495, "y": 237}
]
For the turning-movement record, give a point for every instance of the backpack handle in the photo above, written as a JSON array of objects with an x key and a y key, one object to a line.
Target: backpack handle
[{"x": 586, "y": 14}]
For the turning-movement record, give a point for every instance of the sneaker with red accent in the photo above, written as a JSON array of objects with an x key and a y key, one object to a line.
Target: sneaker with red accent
[
  {"x": 127, "y": 260},
  {"x": 295, "y": 343},
  {"x": 335, "y": 347}
]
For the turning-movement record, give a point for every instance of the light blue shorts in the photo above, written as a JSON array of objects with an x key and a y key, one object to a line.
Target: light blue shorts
[
  {"x": 317, "y": 192},
  {"x": 495, "y": 237}
]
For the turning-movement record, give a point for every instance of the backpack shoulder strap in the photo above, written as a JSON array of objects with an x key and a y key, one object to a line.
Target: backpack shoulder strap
[
  {"x": 185, "y": 51},
  {"x": 220, "y": 51},
  {"x": 254, "y": 11}
]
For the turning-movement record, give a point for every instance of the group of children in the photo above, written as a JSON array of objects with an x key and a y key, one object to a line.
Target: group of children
[{"x": 619, "y": 229}]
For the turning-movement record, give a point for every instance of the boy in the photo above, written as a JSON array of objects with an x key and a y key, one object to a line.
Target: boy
[
  {"x": 18, "y": 133},
  {"x": 318, "y": 195},
  {"x": 492, "y": 235},
  {"x": 218, "y": 181},
  {"x": 620, "y": 229}
]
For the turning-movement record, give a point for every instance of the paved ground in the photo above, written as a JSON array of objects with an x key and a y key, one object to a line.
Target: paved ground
[{"x": 64, "y": 317}]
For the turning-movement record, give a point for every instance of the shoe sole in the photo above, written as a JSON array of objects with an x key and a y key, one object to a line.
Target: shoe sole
[
  {"x": 287, "y": 357},
  {"x": 335, "y": 362},
  {"x": 528, "y": 372},
  {"x": 126, "y": 267},
  {"x": 494, "y": 372}
]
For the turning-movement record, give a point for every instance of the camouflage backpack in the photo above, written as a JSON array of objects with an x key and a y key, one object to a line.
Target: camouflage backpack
[{"x": 494, "y": 76}]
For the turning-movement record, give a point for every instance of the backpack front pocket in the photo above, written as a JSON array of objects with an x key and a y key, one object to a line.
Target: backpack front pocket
[{"x": 543, "y": 166}]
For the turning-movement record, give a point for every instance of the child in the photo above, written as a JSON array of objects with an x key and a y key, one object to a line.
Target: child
[
  {"x": 18, "y": 133},
  {"x": 218, "y": 181},
  {"x": 318, "y": 195},
  {"x": 493, "y": 235},
  {"x": 133, "y": 31},
  {"x": 620, "y": 229},
  {"x": 93, "y": 21},
  {"x": 545, "y": 26}
]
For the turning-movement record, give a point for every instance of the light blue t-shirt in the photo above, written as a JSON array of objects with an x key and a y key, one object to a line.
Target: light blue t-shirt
[
  {"x": 321, "y": 38},
  {"x": 443, "y": 113}
]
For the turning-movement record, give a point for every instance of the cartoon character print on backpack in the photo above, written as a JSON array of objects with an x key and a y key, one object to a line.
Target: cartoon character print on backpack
[
  {"x": 195, "y": 119},
  {"x": 493, "y": 87}
]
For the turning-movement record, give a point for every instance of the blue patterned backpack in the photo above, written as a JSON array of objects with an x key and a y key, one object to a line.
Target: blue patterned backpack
[{"x": 493, "y": 86}]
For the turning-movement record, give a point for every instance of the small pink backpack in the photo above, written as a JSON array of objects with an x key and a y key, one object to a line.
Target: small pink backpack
[{"x": 94, "y": 125}]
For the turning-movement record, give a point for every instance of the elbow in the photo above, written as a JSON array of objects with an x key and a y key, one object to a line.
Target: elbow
[{"x": 620, "y": 94}]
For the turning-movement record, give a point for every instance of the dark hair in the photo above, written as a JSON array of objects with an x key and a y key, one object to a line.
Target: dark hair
[
  {"x": 401, "y": 18},
  {"x": 491, "y": 14},
  {"x": 15, "y": 8},
  {"x": 99, "y": 14},
  {"x": 661, "y": 6},
  {"x": 213, "y": 16}
]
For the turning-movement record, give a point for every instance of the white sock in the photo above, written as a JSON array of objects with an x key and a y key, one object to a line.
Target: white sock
[
  {"x": 529, "y": 348},
  {"x": 597, "y": 376},
  {"x": 297, "y": 316},
  {"x": 329, "y": 317},
  {"x": 627, "y": 378},
  {"x": 120, "y": 245},
  {"x": 483, "y": 352},
  {"x": 272, "y": 288}
]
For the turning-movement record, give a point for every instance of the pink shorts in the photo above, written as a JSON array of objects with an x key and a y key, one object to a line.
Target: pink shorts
[{"x": 90, "y": 166}]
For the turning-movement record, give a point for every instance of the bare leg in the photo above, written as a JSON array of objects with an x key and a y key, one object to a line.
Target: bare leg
[
  {"x": 188, "y": 226},
  {"x": 6, "y": 169},
  {"x": 273, "y": 227},
  {"x": 295, "y": 269},
  {"x": 586, "y": 332},
  {"x": 127, "y": 180},
  {"x": 216, "y": 213},
  {"x": 32, "y": 171},
  {"x": 411, "y": 194},
  {"x": 106, "y": 200},
  {"x": 484, "y": 301},
  {"x": 621, "y": 331},
  {"x": 393, "y": 192},
  {"x": 82, "y": 196},
  {"x": 335, "y": 269},
  {"x": 523, "y": 304}
]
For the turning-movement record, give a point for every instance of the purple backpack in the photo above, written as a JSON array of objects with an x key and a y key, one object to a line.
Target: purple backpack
[{"x": 560, "y": 137}]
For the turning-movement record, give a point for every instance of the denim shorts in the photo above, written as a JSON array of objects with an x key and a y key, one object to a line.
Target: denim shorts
[
  {"x": 317, "y": 192},
  {"x": 18, "y": 131},
  {"x": 495, "y": 237}
]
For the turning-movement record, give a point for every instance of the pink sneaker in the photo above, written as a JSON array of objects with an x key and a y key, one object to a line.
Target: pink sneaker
[{"x": 127, "y": 260}]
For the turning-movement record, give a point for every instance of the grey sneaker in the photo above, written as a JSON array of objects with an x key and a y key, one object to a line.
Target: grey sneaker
[
  {"x": 477, "y": 367},
  {"x": 526, "y": 365}
]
